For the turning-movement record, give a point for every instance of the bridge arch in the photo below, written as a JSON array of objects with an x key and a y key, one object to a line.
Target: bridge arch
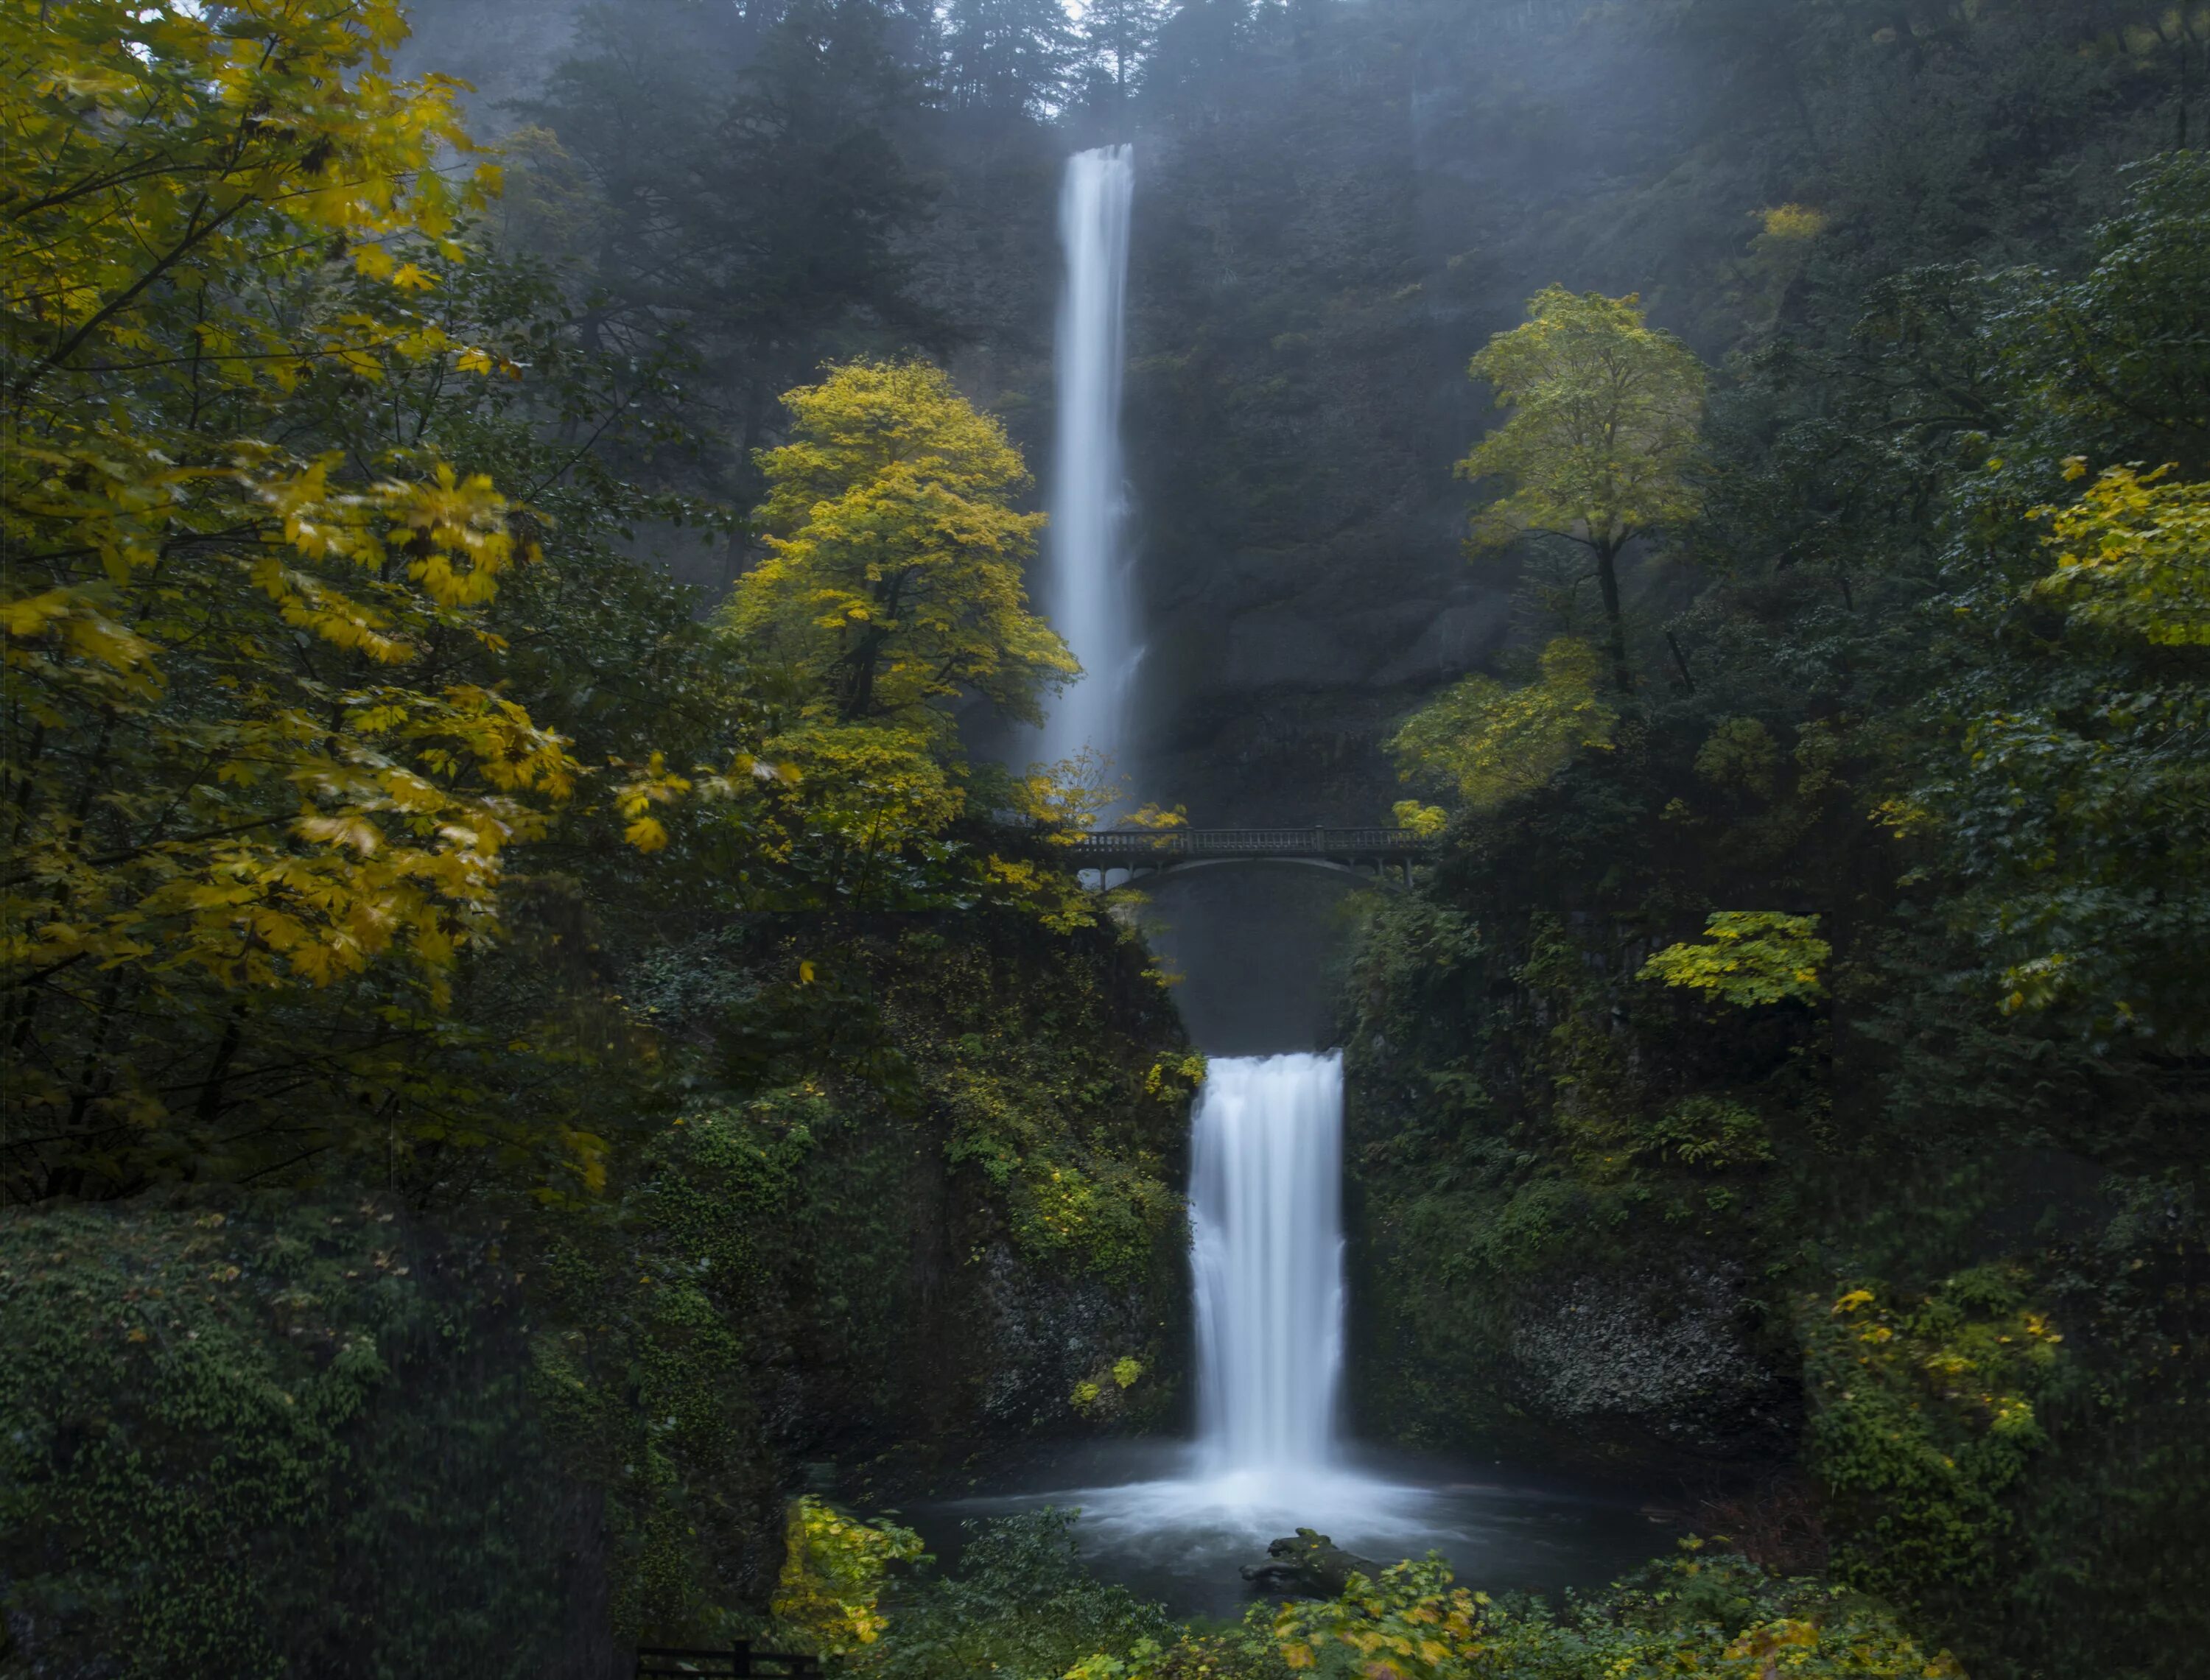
[{"x": 1385, "y": 856}]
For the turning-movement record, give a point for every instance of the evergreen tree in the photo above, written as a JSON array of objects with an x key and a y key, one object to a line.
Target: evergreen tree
[
  {"x": 1195, "y": 44},
  {"x": 745, "y": 189},
  {"x": 1007, "y": 56},
  {"x": 1114, "y": 37}
]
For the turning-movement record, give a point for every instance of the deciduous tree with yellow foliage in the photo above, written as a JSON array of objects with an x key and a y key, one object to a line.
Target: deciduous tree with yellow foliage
[
  {"x": 1488, "y": 743},
  {"x": 246, "y": 755},
  {"x": 893, "y": 579},
  {"x": 1603, "y": 436}
]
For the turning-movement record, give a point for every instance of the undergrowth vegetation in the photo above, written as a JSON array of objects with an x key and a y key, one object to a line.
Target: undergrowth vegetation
[
  {"x": 1021, "y": 1604},
  {"x": 1788, "y": 1074},
  {"x": 528, "y": 1080},
  {"x": 212, "y": 1395},
  {"x": 213, "y": 1413}
]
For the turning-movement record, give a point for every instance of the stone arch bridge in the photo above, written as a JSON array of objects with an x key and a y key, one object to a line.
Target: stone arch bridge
[{"x": 1384, "y": 856}]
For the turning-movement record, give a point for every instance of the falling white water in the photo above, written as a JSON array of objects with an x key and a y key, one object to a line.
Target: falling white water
[
  {"x": 1265, "y": 1194},
  {"x": 1086, "y": 590},
  {"x": 1266, "y": 1254},
  {"x": 1265, "y": 1190},
  {"x": 1266, "y": 1224},
  {"x": 1265, "y": 1185}
]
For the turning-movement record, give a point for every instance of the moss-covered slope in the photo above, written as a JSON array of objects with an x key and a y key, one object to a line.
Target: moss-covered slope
[{"x": 919, "y": 1205}]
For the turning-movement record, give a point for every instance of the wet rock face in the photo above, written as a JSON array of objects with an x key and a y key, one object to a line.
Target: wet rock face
[
  {"x": 1667, "y": 1353},
  {"x": 1063, "y": 1352}
]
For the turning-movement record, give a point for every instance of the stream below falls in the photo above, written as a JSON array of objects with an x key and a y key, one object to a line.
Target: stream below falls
[{"x": 1154, "y": 1522}]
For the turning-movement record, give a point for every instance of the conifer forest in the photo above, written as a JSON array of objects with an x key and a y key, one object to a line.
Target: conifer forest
[{"x": 1105, "y": 839}]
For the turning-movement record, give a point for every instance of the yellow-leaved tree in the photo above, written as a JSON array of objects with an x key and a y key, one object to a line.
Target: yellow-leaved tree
[
  {"x": 1602, "y": 443},
  {"x": 892, "y": 588},
  {"x": 245, "y": 758},
  {"x": 834, "y": 1568},
  {"x": 1488, "y": 742},
  {"x": 893, "y": 579},
  {"x": 2133, "y": 555},
  {"x": 1748, "y": 957}
]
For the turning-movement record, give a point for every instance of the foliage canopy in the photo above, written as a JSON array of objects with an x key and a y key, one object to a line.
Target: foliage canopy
[
  {"x": 893, "y": 579},
  {"x": 1603, "y": 438},
  {"x": 1751, "y": 957},
  {"x": 1491, "y": 744},
  {"x": 253, "y": 750}
]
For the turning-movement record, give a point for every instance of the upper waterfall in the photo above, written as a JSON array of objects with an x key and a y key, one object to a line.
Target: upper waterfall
[{"x": 1086, "y": 589}]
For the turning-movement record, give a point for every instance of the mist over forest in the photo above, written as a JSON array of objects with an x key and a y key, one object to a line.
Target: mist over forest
[{"x": 575, "y": 1081}]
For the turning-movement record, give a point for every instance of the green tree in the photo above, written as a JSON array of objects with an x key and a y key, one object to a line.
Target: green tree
[
  {"x": 1008, "y": 56},
  {"x": 1113, "y": 38},
  {"x": 1489, "y": 744},
  {"x": 733, "y": 181},
  {"x": 893, "y": 579},
  {"x": 2063, "y": 789},
  {"x": 1603, "y": 437},
  {"x": 1195, "y": 51}
]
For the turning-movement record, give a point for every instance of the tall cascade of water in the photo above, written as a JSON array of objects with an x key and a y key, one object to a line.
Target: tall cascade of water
[
  {"x": 1086, "y": 593},
  {"x": 1267, "y": 1247},
  {"x": 1266, "y": 1193}
]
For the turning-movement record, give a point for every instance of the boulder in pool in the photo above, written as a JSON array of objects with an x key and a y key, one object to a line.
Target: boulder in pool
[{"x": 1307, "y": 1565}]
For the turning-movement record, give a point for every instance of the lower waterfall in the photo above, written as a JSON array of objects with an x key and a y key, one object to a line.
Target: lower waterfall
[
  {"x": 1267, "y": 1232},
  {"x": 1266, "y": 1264},
  {"x": 1176, "y": 1521}
]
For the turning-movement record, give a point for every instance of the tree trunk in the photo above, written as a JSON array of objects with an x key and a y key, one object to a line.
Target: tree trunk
[
  {"x": 208, "y": 1109},
  {"x": 858, "y": 700},
  {"x": 1606, "y": 577}
]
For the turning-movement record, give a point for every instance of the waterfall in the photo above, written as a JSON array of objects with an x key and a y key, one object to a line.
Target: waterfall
[
  {"x": 1266, "y": 1169},
  {"x": 1267, "y": 1261},
  {"x": 1267, "y": 1254},
  {"x": 1086, "y": 592},
  {"x": 1266, "y": 1193}
]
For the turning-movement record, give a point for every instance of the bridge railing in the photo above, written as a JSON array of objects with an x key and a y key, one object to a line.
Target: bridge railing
[{"x": 1141, "y": 845}]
